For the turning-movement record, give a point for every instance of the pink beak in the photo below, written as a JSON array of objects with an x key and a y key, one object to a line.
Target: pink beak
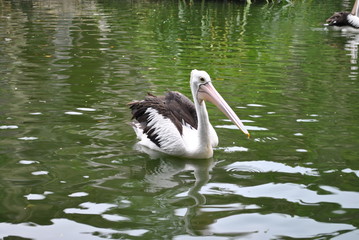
[{"x": 209, "y": 93}]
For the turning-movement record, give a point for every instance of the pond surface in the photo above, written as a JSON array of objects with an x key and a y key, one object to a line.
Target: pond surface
[{"x": 69, "y": 168}]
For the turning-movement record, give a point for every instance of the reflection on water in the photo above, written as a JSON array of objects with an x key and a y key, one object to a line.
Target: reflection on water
[
  {"x": 163, "y": 177},
  {"x": 246, "y": 225},
  {"x": 267, "y": 166},
  {"x": 67, "y": 229},
  {"x": 69, "y": 164},
  {"x": 352, "y": 47}
]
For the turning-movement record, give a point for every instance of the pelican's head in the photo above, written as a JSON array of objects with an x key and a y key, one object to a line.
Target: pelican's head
[
  {"x": 198, "y": 78},
  {"x": 203, "y": 90},
  {"x": 338, "y": 19}
]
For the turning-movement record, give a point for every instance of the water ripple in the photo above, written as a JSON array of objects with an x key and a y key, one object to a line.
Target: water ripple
[
  {"x": 78, "y": 194},
  {"x": 268, "y": 166},
  {"x": 270, "y": 226},
  {"x": 233, "y": 149},
  {"x": 8, "y": 127},
  {"x": 348, "y": 170},
  {"x": 65, "y": 229},
  {"x": 297, "y": 193},
  {"x": 249, "y": 128},
  {"x": 90, "y": 208}
]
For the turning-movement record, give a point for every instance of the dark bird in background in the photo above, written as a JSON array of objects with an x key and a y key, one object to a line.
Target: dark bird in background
[{"x": 345, "y": 20}]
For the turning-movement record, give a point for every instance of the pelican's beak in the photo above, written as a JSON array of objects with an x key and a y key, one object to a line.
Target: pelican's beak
[
  {"x": 208, "y": 92},
  {"x": 355, "y": 10}
]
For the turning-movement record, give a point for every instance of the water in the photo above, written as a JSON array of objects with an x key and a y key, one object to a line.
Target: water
[{"x": 69, "y": 167}]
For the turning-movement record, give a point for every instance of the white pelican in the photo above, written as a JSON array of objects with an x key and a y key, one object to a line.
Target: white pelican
[
  {"x": 346, "y": 20},
  {"x": 172, "y": 124}
]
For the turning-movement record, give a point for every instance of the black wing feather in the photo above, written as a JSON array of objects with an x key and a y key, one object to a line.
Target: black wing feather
[
  {"x": 174, "y": 106},
  {"x": 182, "y": 108}
]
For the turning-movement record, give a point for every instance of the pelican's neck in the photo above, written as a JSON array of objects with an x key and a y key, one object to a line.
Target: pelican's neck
[{"x": 203, "y": 125}]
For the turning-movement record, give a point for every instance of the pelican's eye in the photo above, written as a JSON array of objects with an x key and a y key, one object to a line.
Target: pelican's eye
[{"x": 202, "y": 80}]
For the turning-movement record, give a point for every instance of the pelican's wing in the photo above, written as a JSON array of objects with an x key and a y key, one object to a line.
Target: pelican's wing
[
  {"x": 140, "y": 112},
  {"x": 182, "y": 109},
  {"x": 174, "y": 106}
]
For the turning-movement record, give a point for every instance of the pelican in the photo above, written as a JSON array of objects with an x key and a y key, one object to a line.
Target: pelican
[
  {"x": 346, "y": 20},
  {"x": 174, "y": 125}
]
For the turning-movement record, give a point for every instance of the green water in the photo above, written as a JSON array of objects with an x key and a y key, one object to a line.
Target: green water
[{"x": 69, "y": 168}]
